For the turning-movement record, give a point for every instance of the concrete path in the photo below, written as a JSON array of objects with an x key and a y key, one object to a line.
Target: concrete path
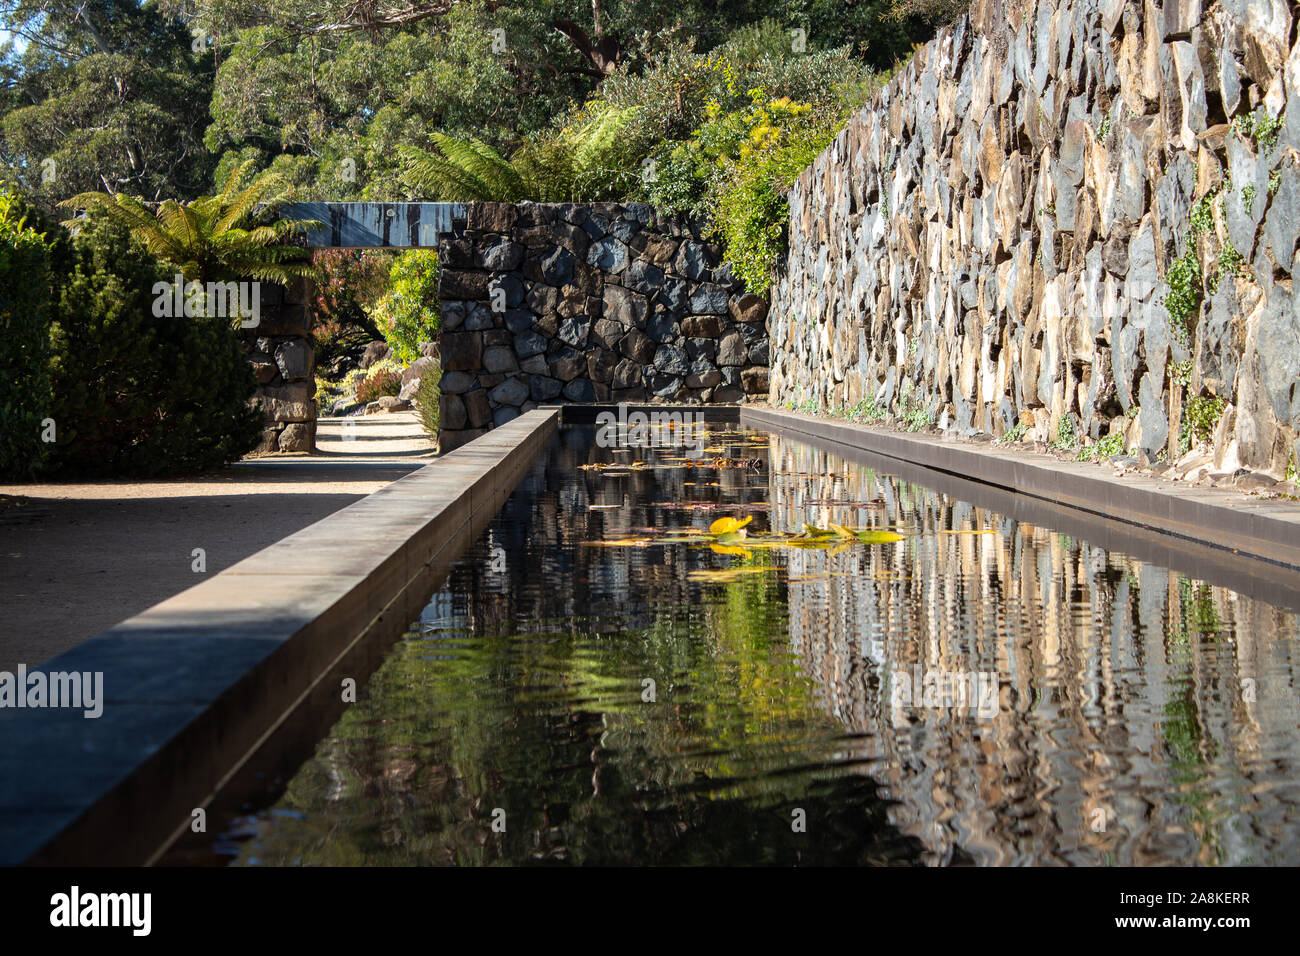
[{"x": 78, "y": 558}]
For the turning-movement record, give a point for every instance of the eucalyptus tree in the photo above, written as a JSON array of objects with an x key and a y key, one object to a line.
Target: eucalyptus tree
[{"x": 102, "y": 94}]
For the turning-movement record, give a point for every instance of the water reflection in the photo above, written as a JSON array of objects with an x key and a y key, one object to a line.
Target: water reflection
[{"x": 999, "y": 695}]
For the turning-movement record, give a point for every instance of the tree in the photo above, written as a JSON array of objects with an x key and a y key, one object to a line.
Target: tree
[
  {"x": 326, "y": 91},
  {"x": 231, "y": 236},
  {"x": 102, "y": 94}
]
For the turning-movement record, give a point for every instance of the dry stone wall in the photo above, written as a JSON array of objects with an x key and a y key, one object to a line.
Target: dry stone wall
[
  {"x": 551, "y": 303},
  {"x": 283, "y": 359},
  {"x": 1062, "y": 218}
]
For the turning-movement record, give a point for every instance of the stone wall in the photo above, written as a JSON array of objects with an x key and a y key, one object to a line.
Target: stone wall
[
  {"x": 991, "y": 241},
  {"x": 284, "y": 362},
  {"x": 549, "y": 303}
]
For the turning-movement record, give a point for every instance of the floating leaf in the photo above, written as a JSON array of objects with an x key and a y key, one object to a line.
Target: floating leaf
[
  {"x": 723, "y": 575},
  {"x": 728, "y": 525},
  {"x": 878, "y": 537},
  {"x": 732, "y": 537},
  {"x": 621, "y": 543},
  {"x": 812, "y": 531}
]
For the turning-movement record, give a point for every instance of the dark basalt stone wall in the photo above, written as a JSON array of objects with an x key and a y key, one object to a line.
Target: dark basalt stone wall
[{"x": 549, "y": 303}]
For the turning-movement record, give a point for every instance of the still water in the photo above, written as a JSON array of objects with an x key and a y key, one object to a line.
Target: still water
[{"x": 601, "y": 682}]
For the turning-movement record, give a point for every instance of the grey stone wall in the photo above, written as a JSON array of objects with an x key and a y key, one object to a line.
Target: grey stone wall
[
  {"x": 550, "y": 303},
  {"x": 283, "y": 359},
  {"x": 991, "y": 241}
]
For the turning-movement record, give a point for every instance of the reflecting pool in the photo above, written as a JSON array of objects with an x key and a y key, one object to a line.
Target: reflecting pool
[{"x": 866, "y": 671}]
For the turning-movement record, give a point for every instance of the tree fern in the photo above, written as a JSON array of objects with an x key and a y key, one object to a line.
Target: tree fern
[
  {"x": 232, "y": 235},
  {"x": 583, "y": 160}
]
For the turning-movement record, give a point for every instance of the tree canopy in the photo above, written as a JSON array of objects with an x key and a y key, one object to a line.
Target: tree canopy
[{"x": 102, "y": 94}]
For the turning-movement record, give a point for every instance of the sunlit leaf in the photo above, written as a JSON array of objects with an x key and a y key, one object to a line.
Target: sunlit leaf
[
  {"x": 727, "y": 525},
  {"x": 878, "y": 537}
]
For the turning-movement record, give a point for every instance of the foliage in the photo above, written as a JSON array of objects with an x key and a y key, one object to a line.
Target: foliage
[
  {"x": 1202, "y": 415},
  {"x": 408, "y": 314},
  {"x": 379, "y": 382},
  {"x": 1067, "y": 437},
  {"x": 24, "y": 317},
  {"x": 428, "y": 398},
  {"x": 134, "y": 393},
  {"x": 582, "y": 160},
  {"x": 335, "y": 87},
  {"x": 929, "y": 12},
  {"x": 1260, "y": 127},
  {"x": 348, "y": 284},
  {"x": 233, "y": 235},
  {"x": 107, "y": 94},
  {"x": 1107, "y": 447},
  {"x": 1013, "y": 434},
  {"x": 1183, "y": 301},
  {"x": 866, "y": 411}
]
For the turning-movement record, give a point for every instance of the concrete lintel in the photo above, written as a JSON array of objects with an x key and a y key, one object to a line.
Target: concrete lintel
[
  {"x": 1267, "y": 531},
  {"x": 195, "y": 684},
  {"x": 376, "y": 225}
]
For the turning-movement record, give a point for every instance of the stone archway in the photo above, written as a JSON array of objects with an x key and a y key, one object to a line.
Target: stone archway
[{"x": 280, "y": 348}]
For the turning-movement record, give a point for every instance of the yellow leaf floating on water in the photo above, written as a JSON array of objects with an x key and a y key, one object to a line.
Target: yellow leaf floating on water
[
  {"x": 879, "y": 537},
  {"x": 729, "y": 525},
  {"x": 620, "y": 543},
  {"x": 866, "y": 535},
  {"x": 814, "y": 532},
  {"x": 723, "y": 575}
]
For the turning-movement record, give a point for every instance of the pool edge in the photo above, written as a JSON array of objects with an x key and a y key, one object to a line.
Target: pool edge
[
  {"x": 116, "y": 790},
  {"x": 1261, "y": 530}
]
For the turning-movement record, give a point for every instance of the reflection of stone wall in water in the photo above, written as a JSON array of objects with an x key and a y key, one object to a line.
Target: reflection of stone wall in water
[
  {"x": 1097, "y": 654},
  {"x": 991, "y": 241}
]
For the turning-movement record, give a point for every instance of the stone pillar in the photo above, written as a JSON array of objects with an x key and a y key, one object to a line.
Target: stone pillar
[{"x": 280, "y": 350}]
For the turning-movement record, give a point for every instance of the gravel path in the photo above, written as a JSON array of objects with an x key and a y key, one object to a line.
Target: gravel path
[{"x": 78, "y": 558}]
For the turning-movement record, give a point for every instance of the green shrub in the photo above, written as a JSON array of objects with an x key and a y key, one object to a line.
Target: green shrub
[
  {"x": 136, "y": 394},
  {"x": 1183, "y": 301},
  {"x": 427, "y": 401},
  {"x": 745, "y": 160},
  {"x": 1202, "y": 416},
  {"x": 408, "y": 315},
  {"x": 1107, "y": 447},
  {"x": 380, "y": 382},
  {"x": 24, "y": 340}
]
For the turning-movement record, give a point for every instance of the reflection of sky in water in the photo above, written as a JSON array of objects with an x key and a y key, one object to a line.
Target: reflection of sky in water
[{"x": 1141, "y": 717}]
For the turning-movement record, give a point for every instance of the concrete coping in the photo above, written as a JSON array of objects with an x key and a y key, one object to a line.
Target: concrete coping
[
  {"x": 193, "y": 685},
  {"x": 1259, "y": 530}
]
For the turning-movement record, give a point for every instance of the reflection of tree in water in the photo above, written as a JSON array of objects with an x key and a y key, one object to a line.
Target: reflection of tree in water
[{"x": 1121, "y": 684}]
